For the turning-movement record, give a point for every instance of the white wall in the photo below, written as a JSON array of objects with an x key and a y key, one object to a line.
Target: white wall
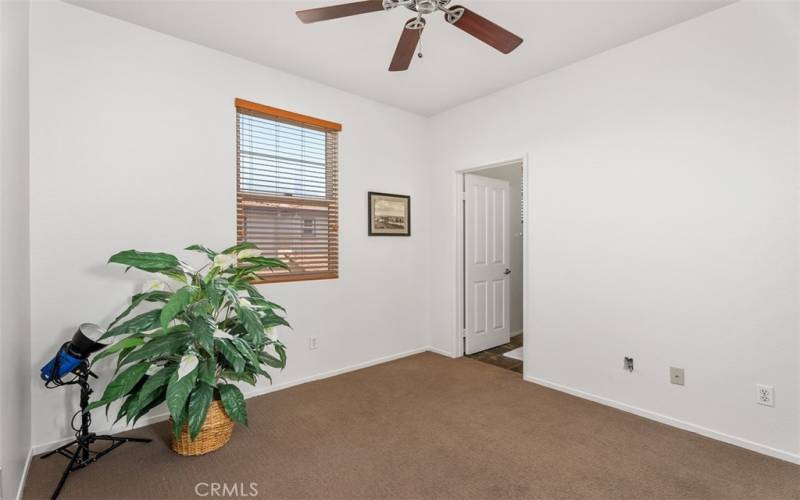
[
  {"x": 133, "y": 146},
  {"x": 15, "y": 431},
  {"x": 663, "y": 208},
  {"x": 664, "y": 221},
  {"x": 513, "y": 174}
]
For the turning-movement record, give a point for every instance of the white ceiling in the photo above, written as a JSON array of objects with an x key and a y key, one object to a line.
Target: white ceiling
[{"x": 353, "y": 53}]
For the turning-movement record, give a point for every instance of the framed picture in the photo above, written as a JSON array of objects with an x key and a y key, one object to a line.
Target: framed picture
[{"x": 389, "y": 214}]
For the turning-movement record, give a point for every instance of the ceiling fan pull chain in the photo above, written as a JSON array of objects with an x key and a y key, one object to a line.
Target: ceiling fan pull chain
[{"x": 419, "y": 54}]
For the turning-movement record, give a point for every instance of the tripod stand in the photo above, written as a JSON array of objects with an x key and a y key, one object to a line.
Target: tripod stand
[{"x": 83, "y": 455}]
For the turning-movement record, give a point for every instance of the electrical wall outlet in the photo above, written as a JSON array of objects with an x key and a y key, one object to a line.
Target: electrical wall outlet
[
  {"x": 312, "y": 343},
  {"x": 627, "y": 364},
  {"x": 765, "y": 395},
  {"x": 676, "y": 375}
]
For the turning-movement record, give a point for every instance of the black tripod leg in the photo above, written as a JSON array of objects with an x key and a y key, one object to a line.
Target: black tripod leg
[
  {"x": 138, "y": 440},
  {"x": 64, "y": 476},
  {"x": 60, "y": 449},
  {"x": 123, "y": 439}
]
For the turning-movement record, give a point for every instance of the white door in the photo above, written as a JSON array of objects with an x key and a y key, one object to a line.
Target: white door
[{"x": 486, "y": 263}]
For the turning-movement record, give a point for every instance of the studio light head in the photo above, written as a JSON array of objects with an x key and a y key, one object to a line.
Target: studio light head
[{"x": 73, "y": 353}]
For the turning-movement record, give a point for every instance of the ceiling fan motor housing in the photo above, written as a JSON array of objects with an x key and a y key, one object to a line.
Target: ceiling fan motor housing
[{"x": 426, "y": 6}]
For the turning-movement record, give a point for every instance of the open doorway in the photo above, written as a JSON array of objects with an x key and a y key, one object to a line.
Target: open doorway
[{"x": 492, "y": 264}]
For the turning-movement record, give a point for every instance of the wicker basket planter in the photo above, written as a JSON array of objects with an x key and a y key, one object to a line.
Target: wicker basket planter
[{"x": 216, "y": 431}]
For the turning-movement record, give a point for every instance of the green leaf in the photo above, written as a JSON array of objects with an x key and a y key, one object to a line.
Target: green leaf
[
  {"x": 157, "y": 380},
  {"x": 271, "y": 360},
  {"x": 177, "y": 424},
  {"x": 203, "y": 328},
  {"x": 273, "y": 305},
  {"x": 256, "y": 298},
  {"x": 258, "y": 263},
  {"x": 146, "y": 261},
  {"x": 198, "y": 408},
  {"x": 121, "y": 357},
  {"x": 125, "y": 407},
  {"x": 230, "y": 353},
  {"x": 141, "y": 323},
  {"x": 202, "y": 249},
  {"x": 249, "y": 288},
  {"x": 233, "y": 401},
  {"x": 154, "y": 296},
  {"x": 178, "y": 392},
  {"x": 176, "y": 304},
  {"x": 122, "y": 384},
  {"x": 161, "y": 347},
  {"x": 269, "y": 319},
  {"x": 250, "y": 320},
  {"x": 178, "y": 274},
  {"x": 207, "y": 371},
  {"x": 216, "y": 291},
  {"x": 146, "y": 403},
  {"x": 119, "y": 346},
  {"x": 245, "y": 351},
  {"x": 239, "y": 247},
  {"x": 250, "y": 378},
  {"x": 281, "y": 350}
]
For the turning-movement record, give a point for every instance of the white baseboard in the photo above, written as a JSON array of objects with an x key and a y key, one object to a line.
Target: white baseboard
[
  {"x": 249, "y": 393},
  {"x": 674, "y": 422},
  {"x": 440, "y": 351},
  {"x": 24, "y": 478}
]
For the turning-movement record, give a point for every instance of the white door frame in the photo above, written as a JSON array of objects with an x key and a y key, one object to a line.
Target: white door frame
[{"x": 458, "y": 182}]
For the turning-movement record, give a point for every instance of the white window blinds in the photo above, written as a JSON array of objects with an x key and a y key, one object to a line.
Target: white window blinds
[{"x": 287, "y": 195}]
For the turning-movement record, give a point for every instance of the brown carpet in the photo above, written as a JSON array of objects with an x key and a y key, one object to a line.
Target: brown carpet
[{"x": 427, "y": 426}]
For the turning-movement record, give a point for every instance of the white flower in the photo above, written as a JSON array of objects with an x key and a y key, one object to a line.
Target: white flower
[
  {"x": 272, "y": 334},
  {"x": 249, "y": 252},
  {"x": 188, "y": 363},
  {"x": 244, "y": 302},
  {"x": 219, "y": 334},
  {"x": 223, "y": 261},
  {"x": 154, "y": 286}
]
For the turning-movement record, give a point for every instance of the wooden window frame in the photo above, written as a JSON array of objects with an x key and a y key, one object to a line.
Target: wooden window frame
[{"x": 331, "y": 177}]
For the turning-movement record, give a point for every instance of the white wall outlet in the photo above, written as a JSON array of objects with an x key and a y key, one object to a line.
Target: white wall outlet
[
  {"x": 765, "y": 395},
  {"x": 312, "y": 343},
  {"x": 676, "y": 376}
]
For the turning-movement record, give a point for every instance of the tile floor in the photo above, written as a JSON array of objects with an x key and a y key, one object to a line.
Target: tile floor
[{"x": 495, "y": 356}]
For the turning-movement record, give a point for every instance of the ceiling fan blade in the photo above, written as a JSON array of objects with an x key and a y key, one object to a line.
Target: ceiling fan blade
[
  {"x": 407, "y": 44},
  {"x": 337, "y": 11},
  {"x": 483, "y": 29}
]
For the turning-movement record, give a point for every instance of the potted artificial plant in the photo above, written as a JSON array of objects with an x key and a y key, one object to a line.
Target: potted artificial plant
[{"x": 211, "y": 329}]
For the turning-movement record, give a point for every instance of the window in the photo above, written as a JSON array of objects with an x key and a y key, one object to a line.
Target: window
[{"x": 287, "y": 195}]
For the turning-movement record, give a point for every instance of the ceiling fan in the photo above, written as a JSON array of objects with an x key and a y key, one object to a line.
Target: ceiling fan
[{"x": 460, "y": 17}]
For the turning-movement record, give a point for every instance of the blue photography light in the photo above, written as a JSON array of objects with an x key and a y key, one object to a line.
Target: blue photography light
[{"x": 73, "y": 353}]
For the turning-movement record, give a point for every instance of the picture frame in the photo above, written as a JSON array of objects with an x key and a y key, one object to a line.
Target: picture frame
[{"x": 389, "y": 214}]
